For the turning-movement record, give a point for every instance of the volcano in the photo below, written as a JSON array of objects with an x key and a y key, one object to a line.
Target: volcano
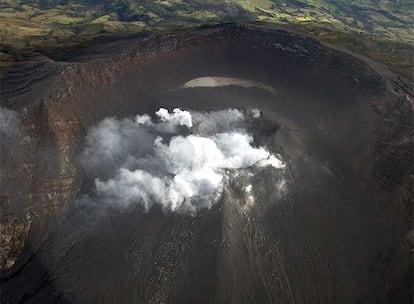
[{"x": 332, "y": 224}]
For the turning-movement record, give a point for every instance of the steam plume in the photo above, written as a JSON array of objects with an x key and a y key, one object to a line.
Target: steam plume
[{"x": 175, "y": 159}]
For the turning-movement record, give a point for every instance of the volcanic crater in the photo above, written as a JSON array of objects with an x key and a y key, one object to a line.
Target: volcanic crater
[{"x": 337, "y": 233}]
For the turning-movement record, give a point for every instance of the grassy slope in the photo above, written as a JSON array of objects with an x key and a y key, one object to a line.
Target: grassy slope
[{"x": 378, "y": 28}]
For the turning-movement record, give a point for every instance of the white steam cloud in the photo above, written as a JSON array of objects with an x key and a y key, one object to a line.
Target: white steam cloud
[
  {"x": 177, "y": 159},
  {"x": 8, "y": 122},
  {"x": 10, "y": 129},
  {"x": 178, "y": 117}
]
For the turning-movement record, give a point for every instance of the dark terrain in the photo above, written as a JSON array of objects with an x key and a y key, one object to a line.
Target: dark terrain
[{"x": 343, "y": 233}]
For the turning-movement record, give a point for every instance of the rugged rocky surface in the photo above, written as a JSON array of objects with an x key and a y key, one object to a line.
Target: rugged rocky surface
[{"x": 342, "y": 235}]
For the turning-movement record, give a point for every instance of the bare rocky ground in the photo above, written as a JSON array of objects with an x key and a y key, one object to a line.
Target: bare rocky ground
[{"x": 342, "y": 234}]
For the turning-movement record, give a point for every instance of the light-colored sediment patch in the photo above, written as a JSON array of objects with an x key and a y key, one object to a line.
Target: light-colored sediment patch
[
  {"x": 249, "y": 197},
  {"x": 216, "y": 81}
]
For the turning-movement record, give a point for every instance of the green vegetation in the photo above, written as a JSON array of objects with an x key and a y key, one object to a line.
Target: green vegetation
[{"x": 381, "y": 29}]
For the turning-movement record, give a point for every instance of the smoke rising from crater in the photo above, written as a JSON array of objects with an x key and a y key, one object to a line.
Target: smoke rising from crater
[
  {"x": 8, "y": 123},
  {"x": 176, "y": 159},
  {"x": 11, "y": 131}
]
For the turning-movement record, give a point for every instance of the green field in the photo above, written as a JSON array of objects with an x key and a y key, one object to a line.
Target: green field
[{"x": 380, "y": 29}]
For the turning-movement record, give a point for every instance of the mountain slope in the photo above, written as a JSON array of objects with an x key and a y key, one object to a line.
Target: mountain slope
[{"x": 380, "y": 29}]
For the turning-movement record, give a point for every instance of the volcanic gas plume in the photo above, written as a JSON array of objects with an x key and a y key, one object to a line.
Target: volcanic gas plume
[{"x": 178, "y": 159}]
